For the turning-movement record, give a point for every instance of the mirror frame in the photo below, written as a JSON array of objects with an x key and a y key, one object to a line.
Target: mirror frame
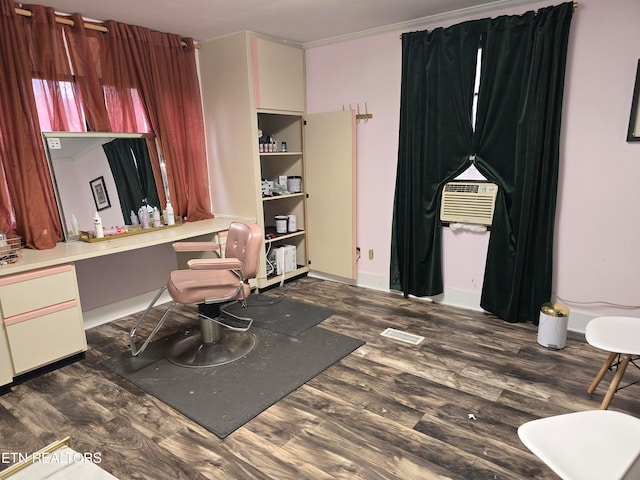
[
  {"x": 633, "y": 132},
  {"x": 51, "y": 135}
]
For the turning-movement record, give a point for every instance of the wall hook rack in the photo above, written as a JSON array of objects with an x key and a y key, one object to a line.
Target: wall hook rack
[{"x": 361, "y": 116}]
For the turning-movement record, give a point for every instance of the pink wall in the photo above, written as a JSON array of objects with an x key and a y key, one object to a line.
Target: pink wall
[
  {"x": 355, "y": 73},
  {"x": 598, "y": 228}
]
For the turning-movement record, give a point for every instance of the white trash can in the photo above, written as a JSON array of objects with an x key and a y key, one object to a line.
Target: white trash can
[{"x": 552, "y": 327}]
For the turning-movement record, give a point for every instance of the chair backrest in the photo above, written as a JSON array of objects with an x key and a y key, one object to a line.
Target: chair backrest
[
  {"x": 244, "y": 242},
  {"x": 633, "y": 472}
]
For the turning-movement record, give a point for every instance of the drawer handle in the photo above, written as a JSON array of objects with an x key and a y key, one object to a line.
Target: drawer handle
[
  {"x": 23, "y": 317},
  {"x": 21, "y": 277}
]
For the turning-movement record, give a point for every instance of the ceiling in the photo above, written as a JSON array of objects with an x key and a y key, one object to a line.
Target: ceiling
[{"x": 301, "y": 21}]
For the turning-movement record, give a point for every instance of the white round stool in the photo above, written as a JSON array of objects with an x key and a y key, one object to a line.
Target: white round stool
[{"x": 621, "y": 337}]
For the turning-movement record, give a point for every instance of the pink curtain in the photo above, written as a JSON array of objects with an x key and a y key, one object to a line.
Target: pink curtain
[
  {"x": 56, "y": 100},
  {"x": 177, "y": 119},
  {"x": 24, "y": 174},
  {"x": 109, "y": 80},
  {"x": 128, "y": 80},
  {"x": 137, "y": 66},
  {"x": 84, "y": 50}
]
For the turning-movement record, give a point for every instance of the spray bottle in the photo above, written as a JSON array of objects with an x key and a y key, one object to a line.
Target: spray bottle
[{"x": 97, "y": 226}]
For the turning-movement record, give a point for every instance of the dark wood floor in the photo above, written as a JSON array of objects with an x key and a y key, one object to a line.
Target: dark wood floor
[{"x": 387, "y": 411}]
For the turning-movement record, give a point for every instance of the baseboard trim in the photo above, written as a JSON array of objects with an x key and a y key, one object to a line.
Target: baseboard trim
[
  {"x": 114, "y": 311},
  {"x": 460, "y": 298},
  {"x": 452, "y": 297}
]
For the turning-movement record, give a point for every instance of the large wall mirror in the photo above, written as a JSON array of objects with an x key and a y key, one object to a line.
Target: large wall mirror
[{"x": 108, "y": 173}]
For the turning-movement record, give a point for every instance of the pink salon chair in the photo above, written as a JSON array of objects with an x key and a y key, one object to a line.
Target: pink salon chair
[{"x": 211, "y": 283}]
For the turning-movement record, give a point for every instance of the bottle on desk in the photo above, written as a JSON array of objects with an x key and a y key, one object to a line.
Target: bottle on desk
[
  {"x": 97, "y": 226},
  {"x": 156, "y": 218},
  {"x": 108, "y": 232},
  {"x": 143, "y": 213},
  {"x": 75, "y": 225},
  {"x": 169, "y": 219}
]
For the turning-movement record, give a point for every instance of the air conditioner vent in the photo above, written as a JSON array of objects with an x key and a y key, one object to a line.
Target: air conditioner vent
[{"x": 468, "y": 202}]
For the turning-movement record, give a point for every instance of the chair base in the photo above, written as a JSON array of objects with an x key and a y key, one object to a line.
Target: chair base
[{"x": 191, "y": 352}]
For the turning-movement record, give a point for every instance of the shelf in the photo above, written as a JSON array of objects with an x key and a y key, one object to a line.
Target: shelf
[
  {"x": 279, "y": 154},
  {"x": 281, "y": 236},
  {"x": 273, "y": 279},
  {"x": 279, "y": 197}
]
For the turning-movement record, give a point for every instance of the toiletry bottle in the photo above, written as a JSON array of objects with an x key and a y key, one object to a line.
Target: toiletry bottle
[
  {"x": 144, "y": 217},
  {"x": 134, "y": 218},
  {"x": 75, "y": 225},
  {"x": 169, "y": 219},
  {"x": 97, "y": 226},
  {"x": 156, "y": 218},
  {"x": 113, "y": 231}
]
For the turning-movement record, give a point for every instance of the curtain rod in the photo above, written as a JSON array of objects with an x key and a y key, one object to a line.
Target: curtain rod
[
  {"x": 575, "y": 5},
  {"x": 67, "y": 21}
]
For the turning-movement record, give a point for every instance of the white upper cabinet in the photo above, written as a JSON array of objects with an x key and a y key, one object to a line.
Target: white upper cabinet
[{"x": 278, "y": 75}]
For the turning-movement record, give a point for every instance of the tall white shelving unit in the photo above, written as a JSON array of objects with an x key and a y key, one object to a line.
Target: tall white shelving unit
[{"x": 253, "y": 84}]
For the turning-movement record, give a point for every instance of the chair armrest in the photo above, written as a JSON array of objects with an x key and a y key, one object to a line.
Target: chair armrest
[
  {"x": 195, "y": 246},
  {"x": 214, "y": 264}
]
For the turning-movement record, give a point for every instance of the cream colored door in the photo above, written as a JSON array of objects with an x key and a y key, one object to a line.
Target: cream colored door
[{"x": 330, "y": 181}]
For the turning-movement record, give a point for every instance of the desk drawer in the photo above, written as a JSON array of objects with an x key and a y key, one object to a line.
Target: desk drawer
[
  {"x": 29, "y": 291},
  {"x": 42, "y": 339}
]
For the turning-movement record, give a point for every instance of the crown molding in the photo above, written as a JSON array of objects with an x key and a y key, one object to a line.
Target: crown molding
[{"x": 420, "y": 22}]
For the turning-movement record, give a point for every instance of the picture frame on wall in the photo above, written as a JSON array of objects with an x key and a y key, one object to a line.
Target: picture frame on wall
[
  {"x": 100, "y": 194},
  {"x": 633, "y": 133}
]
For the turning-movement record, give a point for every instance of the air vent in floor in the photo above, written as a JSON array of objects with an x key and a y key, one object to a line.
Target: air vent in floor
[{"x": 402, "y": 336}]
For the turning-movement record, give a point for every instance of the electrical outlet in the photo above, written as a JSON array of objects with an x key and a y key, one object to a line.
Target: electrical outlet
[{"x": 371, "y": 254}]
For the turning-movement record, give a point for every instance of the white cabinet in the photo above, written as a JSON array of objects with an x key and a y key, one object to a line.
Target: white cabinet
[
  {"x": 41, "y": 320},
  {"x": 278, "y": 75},
  {"x": 253, "y": 86},
  {"x": 6, "y": 367}
]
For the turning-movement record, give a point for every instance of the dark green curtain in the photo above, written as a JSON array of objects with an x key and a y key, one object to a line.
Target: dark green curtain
[
  {"x": 132, "y": 172},
  {"x": 438, "y": 71},
  {"x": 515, "y": 144},
  {"x": 518, "y": 138}
]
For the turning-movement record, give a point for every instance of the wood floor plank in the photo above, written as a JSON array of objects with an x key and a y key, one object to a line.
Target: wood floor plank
[
  {"x": 274, "y": 462},
  {"x": 394, "y": 436},
  {"x": 202, "y": 454},
  {"x": 389, "y": 410}
]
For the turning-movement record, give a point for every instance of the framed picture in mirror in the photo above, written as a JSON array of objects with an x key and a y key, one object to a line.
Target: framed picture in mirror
[
  {"x": 100, "y": 194},
  {"x": 633, "y": 133}
]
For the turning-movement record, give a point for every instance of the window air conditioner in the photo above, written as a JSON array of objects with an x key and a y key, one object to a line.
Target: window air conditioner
[{"x": 468, "y": 202}]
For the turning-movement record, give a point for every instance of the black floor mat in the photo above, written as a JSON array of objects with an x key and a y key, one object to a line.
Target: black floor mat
[
  {"x": 280, "y": 315},
  {"x": 223, "y": 398}
]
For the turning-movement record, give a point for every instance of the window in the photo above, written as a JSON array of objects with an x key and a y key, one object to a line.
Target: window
[
  {"x": 472, "y": 172},
  {"x": 476, "y": 90},
  {"x": 48, "y": 95}
]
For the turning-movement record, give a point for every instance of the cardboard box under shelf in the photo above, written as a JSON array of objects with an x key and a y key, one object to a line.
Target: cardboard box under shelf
[{"x": 87, "y": 236}]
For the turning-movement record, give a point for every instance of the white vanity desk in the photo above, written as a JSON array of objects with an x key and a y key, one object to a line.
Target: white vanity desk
[
  {"x": 76, "y": 251},
  {"x": 40, "y": 312}
]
